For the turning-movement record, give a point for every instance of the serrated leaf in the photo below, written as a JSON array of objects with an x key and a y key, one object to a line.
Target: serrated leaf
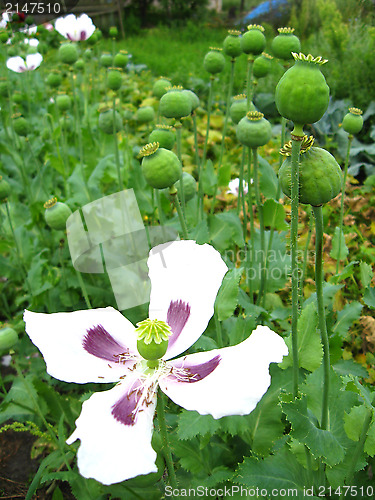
[
  {"x": 310, "y": 351},
  {"x": 366, "y": 274},
  {"x": 339, "y": 245},
  {"x": 191, "y": 424},
  {"x": 209, "y": 178},
  {"x": 350, "y": 312},
  {"x": 370, "y": 440},
  {"x": 353, "y": 422},
  {"x": 274, "y": 215},
  {"x": 322, "y": 443},
  {"x": 224, "y": 175},
  {"x": 345, "y": 273},
  {"x": 369, "y": 297},
  {"x": 227, "y": 297},
  {"x": 225, "y": 229}
]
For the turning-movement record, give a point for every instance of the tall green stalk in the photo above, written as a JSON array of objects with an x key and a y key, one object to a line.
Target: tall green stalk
[
  {"x": 318, "y": 214},
  {"x": 261, "y": 225},
  {"x": 296, "y": 147},
  {"x": 341, "y": 220},
  {"x": 252, "y": 226},
  {"x": 115, "y": 139},
  {"x": 164, "y": 436}
]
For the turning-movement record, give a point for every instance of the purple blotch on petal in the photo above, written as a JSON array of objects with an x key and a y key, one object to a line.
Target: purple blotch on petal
[
  {"x": 101, "y": 344},
  {"x": 83, "y": 35},
  {"x": 70, "y": 37},
  {"x": 177, "y": 316},
  {"x": 193, "y": 373},
  {"x": 124, "y": 409}
]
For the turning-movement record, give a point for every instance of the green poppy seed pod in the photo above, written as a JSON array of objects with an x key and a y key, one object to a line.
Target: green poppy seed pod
[
  {"x": 113, "y": 32},
  {"x": 320, "y": 176},
  {"x": 262, "y": 65},
  {"x": 68, "y": 53},
  {"x": 4, "y": 36},
  {"x": 214, "y": 61},
  {"x": 353, "y": 121},
  {"x": 238, "y": 108},
  {"x": 175, "y": 103},
  {"x": 254, "y": 130},
  {"x": 253, "y": 41},
  {"x": 160, "y": 87},
  {"x": 232, "y": 44},
  {"x": 4, "y": 88},
  {"x": 79, "y": 64},
  {"x": 152, "y": 351},
  {"x": 190, "y": 186},
  {"x": 87, "y": 54},
  {"x": 285, "y": 43},
  {"x": 121, "y": 59},
  {"x": 106, "y": 60},
  {"x": 21, "y": 126},
  {"x": 110, "y": 123},
  {"x": 56, "y": 214},
  {"x": 163, "y": 134},
  {"x": 194, "y": 99},
  {"x": 161, "y": 167},
  {"x": 114, "y": 79},
  {"x": 8, "y": 338},
  {"x": 152, "y": 338},
  {"x": 12, "y": 51},
  {"x": 54, "y": 79},
  {"x": 17, "y": 97},
  {"x": 63, "y": 102},
  {"x": 4, "y": 189},
  {"x": 145, "y": 114},
  {"x": 302, "y": 94}
]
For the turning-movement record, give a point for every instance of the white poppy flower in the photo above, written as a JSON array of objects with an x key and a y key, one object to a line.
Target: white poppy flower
[
  {"x": 234, "y": 186},
  {"x": 75, "y": 28},
  {"x": 100, "y": 345},
  {"x": 4, "y": 20},
  {"x": 20, "y": 65},
  {"x": 32, "y": 42}
]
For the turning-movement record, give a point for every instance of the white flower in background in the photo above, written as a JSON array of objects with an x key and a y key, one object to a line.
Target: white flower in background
[
  {"x": 75, "y": 28},
  {"x": 32, "y": 42},
  {"x": 234, "y": 186},
  {"x": 100, "y": 345},
  {"x": 4, "y": 20},
  {"x": 20, "y": 65}
]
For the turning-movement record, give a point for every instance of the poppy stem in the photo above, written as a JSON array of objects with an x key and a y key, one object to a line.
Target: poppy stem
[{"x": 164, "y": 436}]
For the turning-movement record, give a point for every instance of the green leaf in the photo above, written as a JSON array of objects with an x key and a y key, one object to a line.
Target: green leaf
[
  {"x": 322, "y": 443},
  {"x": 274, "y": 215},
  {"x": 353, "y": 422},
  {"x": 225, "y": 229},
  {"x": 345, "y": 318},
  {"x": 191, "y": 424},
  {"x": 268, "y": 181},
  {"x": 365, "y": 273},
  {"x": 369, "y": 297},
  {"x": 209, "y": 178},
  {"x": 200, "y": 233},
  {"x": 370, "y": 440},
  {"x": 345, "y": 273},
  {"x": 337, "y": 237},
  {"x": 280, "y": 472},
  {"x": 227, "y": 297},
  {"x": 310, "y": 351},
  {"x": 224, "y": 175}
]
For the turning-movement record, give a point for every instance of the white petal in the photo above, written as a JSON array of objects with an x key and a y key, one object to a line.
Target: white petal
[
  {"x": 85, "y": 25},
  {"x": 59, "y": 337},
  {"x": 33, "y": 61},
  {"x": 238, "y": 382},
  {"x": 188, "y": 272},
  {"x": 64, "y": 24},
  {"x": 16, "y": 64},
  {"x": 110, "y": 451}
]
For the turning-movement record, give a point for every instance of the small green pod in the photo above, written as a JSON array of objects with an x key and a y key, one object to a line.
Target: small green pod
[
  {"x": 56, "y": 214},
  {"x": 110, "y": 122},
  {"x": 8, "y": 338},
  {"x": 262, "y": 65},
  {"x": 353, "y": 121},
  {"x": 63, "y": 102},
  {"x": 254, "y": 130},
  {"x": 145, "y": 114},
  {"x": 285, "y": 43},
  {"x": 21, "y": 126},
  {"x": 79, "y": 64},
  {"x": 68, "y": 53},
  {"x": 302, "y": 94},
  {"x": 194, "y": 99},
  {"x": 232, "y": 44},
  {"x": 54, "y": 79},
  {"x": 214, "y": 61},
  {"x": 161, "y": 167},
  {"x": 106, "y": 60},
  {"x": 113, "y": 32},
  {"x": 253, "y": 41},
  {"x": 160, "y": 87},
  {"x": 114, "y": 79},
  {"x": 121, "y": 59},
  {"x": 238, "y": 108},
  {"x": 320, "y": 176},
  {"x": 175, "y": 103},
  {"x": 4, "y": 87},
  {"x": 190, "y": 186},
  {"x": 163, "y": 134}
]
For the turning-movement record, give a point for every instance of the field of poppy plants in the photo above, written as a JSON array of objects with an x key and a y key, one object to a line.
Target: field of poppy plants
[{"x": 186, "y": 272}]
